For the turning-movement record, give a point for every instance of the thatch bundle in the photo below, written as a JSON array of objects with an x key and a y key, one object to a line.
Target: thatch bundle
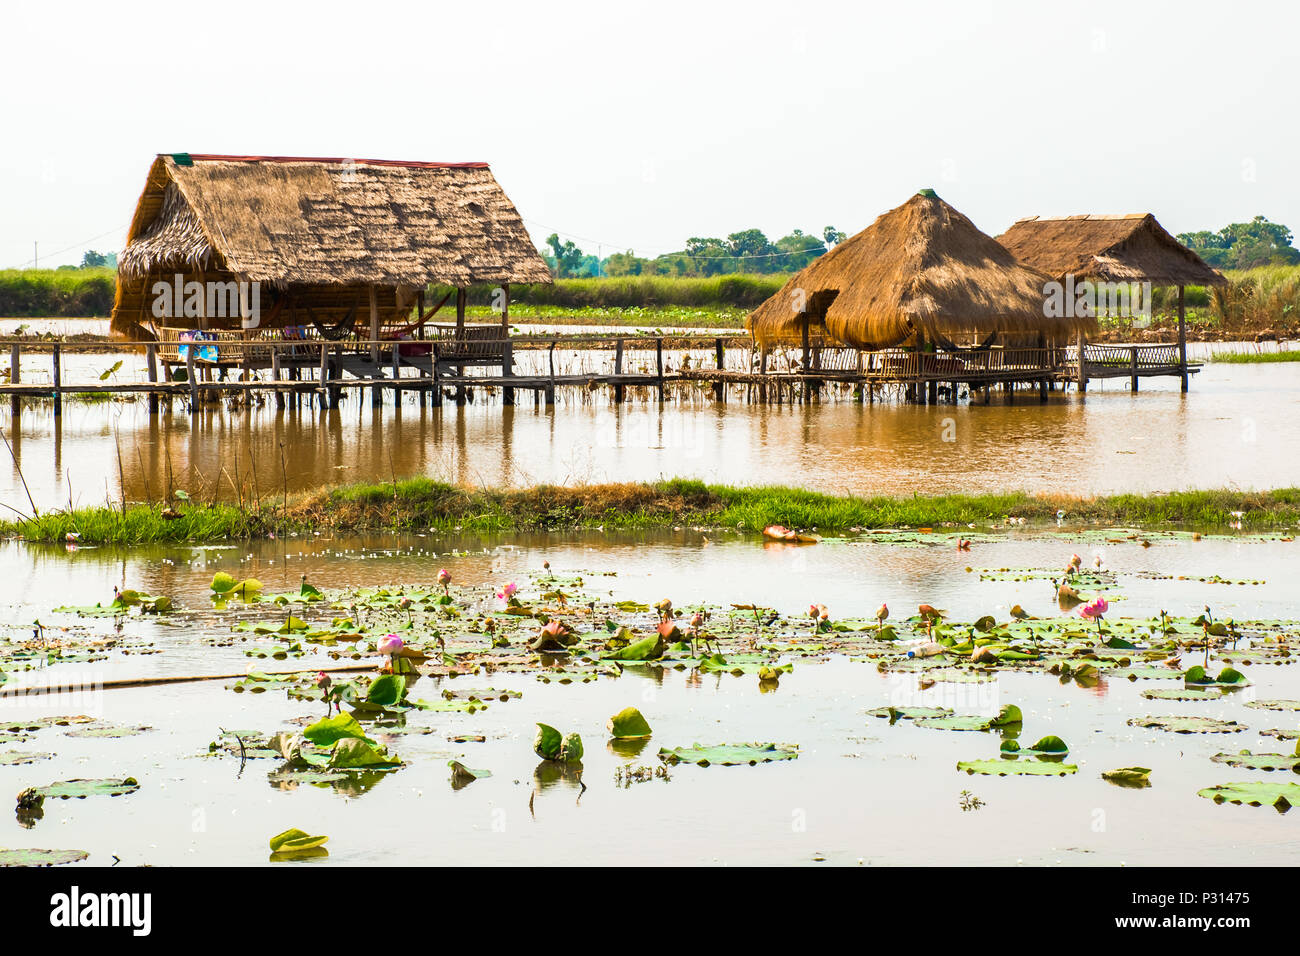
[
  {"x": 921, "y": 269},
  {"x": 1133, "y": 248},
  {"x": 321, "y": 232}
]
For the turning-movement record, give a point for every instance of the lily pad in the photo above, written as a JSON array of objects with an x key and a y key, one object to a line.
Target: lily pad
[
  {"x": 1183, "y": 693},
  {"x": 729, "y": 755},
  {"x": 291, "y": 841},
  {"x": 1252, "y": 761},
  {"x": 35, "y": 857},
  {"x": 80, "y": 789},
  {"x": 462, "y": 775},
  {"x": 1256, "y": 794},
  {"x": 1189, "y": 725},
  {"x": 10, "y": 758},
  {"x": 1274, "y": 704},
  {"x": 896, "y": 714},
  {"x": 628, "y": 724},
  {"x": 1002, "y": 767},
  {"x": 1133, "y": 777}
]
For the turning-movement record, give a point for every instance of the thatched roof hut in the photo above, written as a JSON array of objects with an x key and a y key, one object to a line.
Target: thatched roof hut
[
  {"x": 921, "y": 270},
  {"x": 1133, "y": 248},
  {"x": 319, "y": 235}
]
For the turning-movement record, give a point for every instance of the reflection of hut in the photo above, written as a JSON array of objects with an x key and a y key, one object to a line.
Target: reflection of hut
[
  {"x": 336, "y": 248},
  {"x": 921, "y": 273},
  {"x": 1111, "y": 249}
]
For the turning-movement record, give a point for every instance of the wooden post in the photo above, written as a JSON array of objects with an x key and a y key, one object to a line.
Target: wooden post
[
  {"x": 324, "y": 375},
  {"x": 720, "y": 388},
  {"x": 806, "y": 356},
  {"x": 1133, "y": 368},
  {"x": 618, "y": 370},
  {"x": 460, "y": 340},
  {"x": 1082, "y": 371},
  {"x": 437, "y": 377},
  {"x": 374, "y": 327},
  {"x": 507, "y": 369},
  {"x": 275, "y": 375},
  {"x": 397, "y": 374},
  {"x": 151, "y": 359},
  {"x": 659, "y": 366},
  {"x": 15, "y": 378},
  {"x": 191, "y": 377},
  {"x": 919, "y": 388},
  {"x": 507, "y": 351},
  {"x": 1182, "y": 336}
]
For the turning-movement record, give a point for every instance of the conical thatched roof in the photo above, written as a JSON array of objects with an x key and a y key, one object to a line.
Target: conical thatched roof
[
  {"x": 923, "y": 267},
  {"x": 286, "y": 220},
  {"x": 1132, "y": 248}
]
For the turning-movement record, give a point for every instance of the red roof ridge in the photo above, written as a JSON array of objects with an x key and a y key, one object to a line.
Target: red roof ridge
[{"x": 221, "y": 158}]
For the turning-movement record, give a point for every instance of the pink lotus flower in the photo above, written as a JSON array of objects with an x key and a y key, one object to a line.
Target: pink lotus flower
[
  {"x": 507, "y": 592},
  {"x": 1094, "y": 609},
  {"x": 323, "y": 680},
  {"x": 697, "y": 620},
  {"x": 444, "y": 578},
  {"x": 390, "y": 645}
]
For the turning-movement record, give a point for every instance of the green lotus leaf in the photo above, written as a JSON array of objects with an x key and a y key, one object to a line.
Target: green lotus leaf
[
  {"x": 728, "y": 755},
  {"x": 1001, "y": 767},
  {"x": 1189, "y": 725},
  {"x": 628, "y": 724},
  {"x": 34, "y": 857},
  {"x": 1280, "y": 795},
  {"x": 295, "y": 841}
]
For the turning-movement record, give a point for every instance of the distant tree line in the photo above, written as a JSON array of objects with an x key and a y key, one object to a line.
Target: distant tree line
[
  {"x": 748, "y": 251},
  {"x": 1244, "y": 245}
]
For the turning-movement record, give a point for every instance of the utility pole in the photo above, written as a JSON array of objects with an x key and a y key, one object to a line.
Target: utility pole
[{"x": 36, "y": 255}]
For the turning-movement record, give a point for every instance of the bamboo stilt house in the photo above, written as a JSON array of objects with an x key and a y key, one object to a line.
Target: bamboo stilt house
[
  {"x": 331, "y": 247},
  {"x": 921, "y": 273},
  {"x": 1121, "y": 250}
]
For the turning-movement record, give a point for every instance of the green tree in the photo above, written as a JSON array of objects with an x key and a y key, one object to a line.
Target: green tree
[
  {"x": 832, "y": 236},
  {"x": 707, "y": 256},
  {"x": 1244, "y": 245},
  {"x": 799, "y": 250},
  {"x": 566, "y": 257},
  {"x": 623, "y": 264}
]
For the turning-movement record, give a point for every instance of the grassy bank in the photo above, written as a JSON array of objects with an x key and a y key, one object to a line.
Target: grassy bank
[
  {"x": 62, "y": 293},
  {"x": 420, "y": 504},
  {"x": 1246, "y": 358}
]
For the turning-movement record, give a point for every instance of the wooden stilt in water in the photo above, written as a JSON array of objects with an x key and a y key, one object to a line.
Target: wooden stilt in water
[
  {"x": 507, "y": 353},
  {"x": 618, "y": 370},
  {"x": 659, "y": 366},
  {"x": 16, "y": 378},
  {"x": 1182, "y": 336},
  {"x": 1133, "y": 368},
  {"x": 151, "y": 361},
  {"x": 275, "y": 377},
  {"x": 192, "y": 377},
  {"x": 460, "y": 340},
  {"x": 720, "y": 388}
]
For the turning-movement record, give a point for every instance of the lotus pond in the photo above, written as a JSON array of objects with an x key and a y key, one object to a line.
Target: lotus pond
[{"x": 676, "y": 697}]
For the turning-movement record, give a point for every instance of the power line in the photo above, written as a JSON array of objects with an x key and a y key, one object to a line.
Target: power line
[{"x": 79, "y": 245}]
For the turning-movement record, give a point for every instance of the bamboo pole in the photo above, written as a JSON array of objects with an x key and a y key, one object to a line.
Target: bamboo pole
[{"x": 37, "y": 690}]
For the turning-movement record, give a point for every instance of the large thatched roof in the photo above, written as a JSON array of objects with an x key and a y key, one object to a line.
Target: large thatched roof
[
  {"x": 286, "y": 220},
  {"x": 1132, "y": 248},
  {"x": 923, "y": 267}
]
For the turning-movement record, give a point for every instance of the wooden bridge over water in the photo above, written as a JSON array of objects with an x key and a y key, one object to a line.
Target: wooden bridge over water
[{"x": 452, "y": 365}]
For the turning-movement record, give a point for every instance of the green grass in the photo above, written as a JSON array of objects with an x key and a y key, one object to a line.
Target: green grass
[
  {"x": 1245, "y": 358},
  {"x": 420, "y": 504},
  {"x": 40, "y": 293},
  {"x": 705, "y": 317}
]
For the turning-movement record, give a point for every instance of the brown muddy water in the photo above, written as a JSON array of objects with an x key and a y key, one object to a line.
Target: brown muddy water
[
  {"x": 1238, "y": 427},
  {"x": 861, "y": 791}
]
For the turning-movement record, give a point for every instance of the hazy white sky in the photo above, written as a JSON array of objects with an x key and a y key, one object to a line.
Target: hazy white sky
[{"x": 638, "y": 125}]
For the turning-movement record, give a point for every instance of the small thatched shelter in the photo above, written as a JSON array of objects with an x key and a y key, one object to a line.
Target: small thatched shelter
[
  {"x": 920, "y": 273},
  {"x": 340, "y": 244},
  {"x": 1112, "y": 249}
]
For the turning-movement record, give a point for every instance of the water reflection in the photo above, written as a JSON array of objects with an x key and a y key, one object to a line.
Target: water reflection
[{"x": 1237, "y": 427}]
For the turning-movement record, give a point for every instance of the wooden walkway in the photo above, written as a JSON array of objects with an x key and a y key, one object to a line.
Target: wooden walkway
[{"x": 288, "y": 372}]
